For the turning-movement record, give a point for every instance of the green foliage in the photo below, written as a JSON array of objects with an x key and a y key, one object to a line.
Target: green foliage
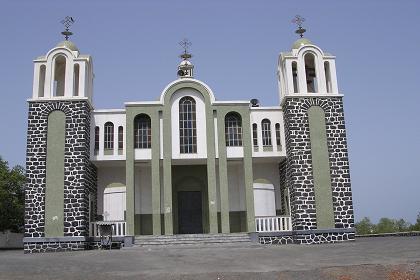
[
  {"x": 386, "y": 225},
  {"x": 365, "y": 226},
  {"x": 12, "y": 197}
]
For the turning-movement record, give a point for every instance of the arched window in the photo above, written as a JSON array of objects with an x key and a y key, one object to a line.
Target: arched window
[
  {"x": 120, "y": 137},
  {"x": 41, "y": 82},
  {"x": 142, "y": 132},
  {"x": 187, "y": 126},
  {"x": 233, "y": 130},
  {"x": 109, "y": 136},
  {"x": 328, "y": 76},
  {"x": 278, "y": 142},
  {"x": 96, "y": 138},
  {"x": 266, "y": 132},
  {"x": 295, "y": 77},
  {"x": 76, "y": 80},
  {"x": 255, "y": 134},
  {"x": 310, "y": 70},
  {"x": 59, "y": 76}
]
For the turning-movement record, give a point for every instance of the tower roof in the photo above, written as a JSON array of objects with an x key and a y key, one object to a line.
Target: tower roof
[
  {"x": 67, "y": 44},
  {"x": 301, "y": 42}
]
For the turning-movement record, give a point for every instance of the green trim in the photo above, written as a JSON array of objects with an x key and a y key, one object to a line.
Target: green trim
[
  {"x": 54, "y": 192},
  {"x": 108, "y": 152},
  {"x": 262, "y": 181},
  {"x": 321, "y": 168},
  {"x": 115, "y": 185}
]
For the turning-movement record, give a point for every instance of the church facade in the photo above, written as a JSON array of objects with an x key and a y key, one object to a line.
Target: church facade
[{"x": 187, "y": 163}]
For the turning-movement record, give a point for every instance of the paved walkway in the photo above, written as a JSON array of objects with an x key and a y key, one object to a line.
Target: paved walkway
[{"x": 366, "y": 258}]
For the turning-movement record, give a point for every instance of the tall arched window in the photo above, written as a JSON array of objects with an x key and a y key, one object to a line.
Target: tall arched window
[
  {"x": 76, "y": 80},
  {"x": 142, "y": 132},
  {"x": 96, "y": 139},
  {"x": 109, "y": 136},
  {"x": 59, "y": 76},
  {"x": 233, "y": 129},
  {"x": 278, "y": 142},
  {"x": 295, "y": 77},
  {"x": 310, "y": 70},
  {"x": 266, "y": 132},
  {"x": 328, "y": 76},
  {"x": 120, "y": 137},
  {"x": 41, "y": 81},
  {"x": 187, "y": 126},
  {"x": 255, "y": 134}
]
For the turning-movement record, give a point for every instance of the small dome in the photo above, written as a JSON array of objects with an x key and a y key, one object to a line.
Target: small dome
[
  {"x": 185, "y": 62},
  {"x": 67, "y": 44},
  {"x": 301, "y": 42}
]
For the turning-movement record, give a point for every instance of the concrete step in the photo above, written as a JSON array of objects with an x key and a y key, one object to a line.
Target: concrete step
[{"x": 193, "y": 239}]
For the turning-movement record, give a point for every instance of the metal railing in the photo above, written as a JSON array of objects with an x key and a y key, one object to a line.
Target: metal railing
[
  {"x": 273, "y": 224},
  {"x": 119, "y": 228}
]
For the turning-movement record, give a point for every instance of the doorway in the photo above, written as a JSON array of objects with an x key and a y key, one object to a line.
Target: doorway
[{"x": 190, "y": 214}]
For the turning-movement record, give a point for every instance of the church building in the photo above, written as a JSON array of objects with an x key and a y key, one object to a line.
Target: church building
[{"x": 186, "y": 164}]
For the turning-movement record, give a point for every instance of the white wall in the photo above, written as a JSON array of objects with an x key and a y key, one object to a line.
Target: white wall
[
  {"x": 270, "y": 172},
  {"x": 200, "y": 123},
  {"x": 106, "y": 176},
  {"x": 264, "y": 200}
]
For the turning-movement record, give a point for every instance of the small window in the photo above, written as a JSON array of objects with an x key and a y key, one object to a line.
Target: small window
[
  {"x": 310, "y": 70},
  {"x": 142, "y": 132},
  {"x": 266, "y": 132},
  {"x": 41, "y": 82},
  {"x": 328, "y": 76},
  {"x": 97, "y": 138},
  {"x": 233, "y": 130},
  {"x": 295, "y": 77},
  {"x": 255, "y": 134},
  {"x": 109, "y": 136},
  {"x": 187, "y": 126},
  {"x": 278, "y": 134},
  {"x": 120, "y": 137},
  {"x": 59, "y": 76},
  {"x": 76, "y": 80}
]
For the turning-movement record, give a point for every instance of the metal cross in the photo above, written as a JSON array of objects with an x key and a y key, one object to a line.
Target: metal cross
[
  {"x": 67, "y": 22},
  {"x": 298, "y": 20},
  {"x": 185, "y": 44}
]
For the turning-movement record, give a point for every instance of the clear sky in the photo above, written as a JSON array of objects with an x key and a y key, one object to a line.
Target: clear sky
[{"x": 235, "y": 46}]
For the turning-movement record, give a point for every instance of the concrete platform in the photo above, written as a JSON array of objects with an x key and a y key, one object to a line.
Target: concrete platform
[{"x": 366, "y": 258}]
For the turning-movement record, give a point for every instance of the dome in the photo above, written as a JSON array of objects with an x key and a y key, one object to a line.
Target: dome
[
  {"x": 301, "y": 42},
  {"x": 67, "y": 44},
  {"x": 185, "y": 62}
]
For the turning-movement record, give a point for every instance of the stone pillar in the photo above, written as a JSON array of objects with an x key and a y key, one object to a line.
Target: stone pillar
[
  {"x": 223, "y": 177},
  {"x": 155, "y": 174}
]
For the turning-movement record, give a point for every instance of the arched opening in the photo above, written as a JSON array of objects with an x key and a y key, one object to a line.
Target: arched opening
[
  {"x": 120, "y": 138},
  {"x": 278, "y": 142},
  {"x": 255, "y": 135},
  {"x": 264, "y": 198},
  {"x": 76, "y": 80},
  {"x": 142, "y": 132},
  {"x": 310, "y": 71},
  {"x": 109, "y": 138},
  {"x": 233, "y": 129},
  {"x": 328, "y": 76},
  {"x": 96, "y": 140},
  {"x": 59, "y": 76},
  {"x": 41, "y": 81},
  {"x": 295, "y": 77},
  {"x": 187, "y": 126},
  {"x": 266, "y": 132}
]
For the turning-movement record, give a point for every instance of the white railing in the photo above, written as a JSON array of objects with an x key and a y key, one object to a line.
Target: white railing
[
  {"x": 273, "y": 224},
  {"x": 119, "y": 228}
]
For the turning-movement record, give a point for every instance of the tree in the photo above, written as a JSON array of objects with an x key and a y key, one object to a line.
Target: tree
[
  {"x": 12, "y": 197},
  {"x": 401, "y": 225},
  {"x": 365, "y": 226},
  {"x": 386, "y": 225},
  {"x": 416, "y": 226}
]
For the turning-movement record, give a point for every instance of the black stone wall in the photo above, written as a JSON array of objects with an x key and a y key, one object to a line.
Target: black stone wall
[
  {"x": 79, "y": 172},
  {"x": 299, "y": 178}
]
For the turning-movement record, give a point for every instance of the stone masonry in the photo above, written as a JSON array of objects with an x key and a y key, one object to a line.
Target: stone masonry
[
  {"x": 299, "y": 178},
  {"x": 79, "y": 172}
]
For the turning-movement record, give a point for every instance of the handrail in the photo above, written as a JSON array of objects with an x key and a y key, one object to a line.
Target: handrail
[{"x": 273, "y": 224}]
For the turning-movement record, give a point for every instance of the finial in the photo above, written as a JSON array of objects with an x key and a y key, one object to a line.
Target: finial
[
  {"x": 185, "y": 44},
  {"x": 298, "y": 20},
  {"x": 67, "y": 22}
]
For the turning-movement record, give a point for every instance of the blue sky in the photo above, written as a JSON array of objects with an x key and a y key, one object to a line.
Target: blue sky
[{"x": 235, "y": 46}]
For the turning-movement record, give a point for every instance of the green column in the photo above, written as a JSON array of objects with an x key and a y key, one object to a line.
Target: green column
[
  {"x": 248, "y": 175},
  {"x": 211, "y": 171},
  {"x": 223, "y": 177},
  {"x": 167, "y": 172},
  {"x": 129, "y": 173},
  {"x": 155, "y": 173}
]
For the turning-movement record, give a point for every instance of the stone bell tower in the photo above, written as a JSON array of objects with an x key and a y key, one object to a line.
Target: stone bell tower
[
  {"x": 61, "y": 190},
  {"x": 316, "y": 171}
]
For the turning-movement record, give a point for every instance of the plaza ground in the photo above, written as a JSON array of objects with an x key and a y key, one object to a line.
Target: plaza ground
[{"x": 366, "y": 258}]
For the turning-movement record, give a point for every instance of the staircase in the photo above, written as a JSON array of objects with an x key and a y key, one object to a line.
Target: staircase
[{"x": 231, "y": 239}]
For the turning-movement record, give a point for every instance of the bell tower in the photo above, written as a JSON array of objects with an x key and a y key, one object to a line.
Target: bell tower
[
  {"x": 60, "y": 194},
  {"x": 316, "y": 171},
  {"x": 185, "y": 68}
]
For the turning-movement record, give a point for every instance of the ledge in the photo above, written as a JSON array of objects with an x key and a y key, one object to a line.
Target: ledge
[{"x": 55, "y": 239}]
